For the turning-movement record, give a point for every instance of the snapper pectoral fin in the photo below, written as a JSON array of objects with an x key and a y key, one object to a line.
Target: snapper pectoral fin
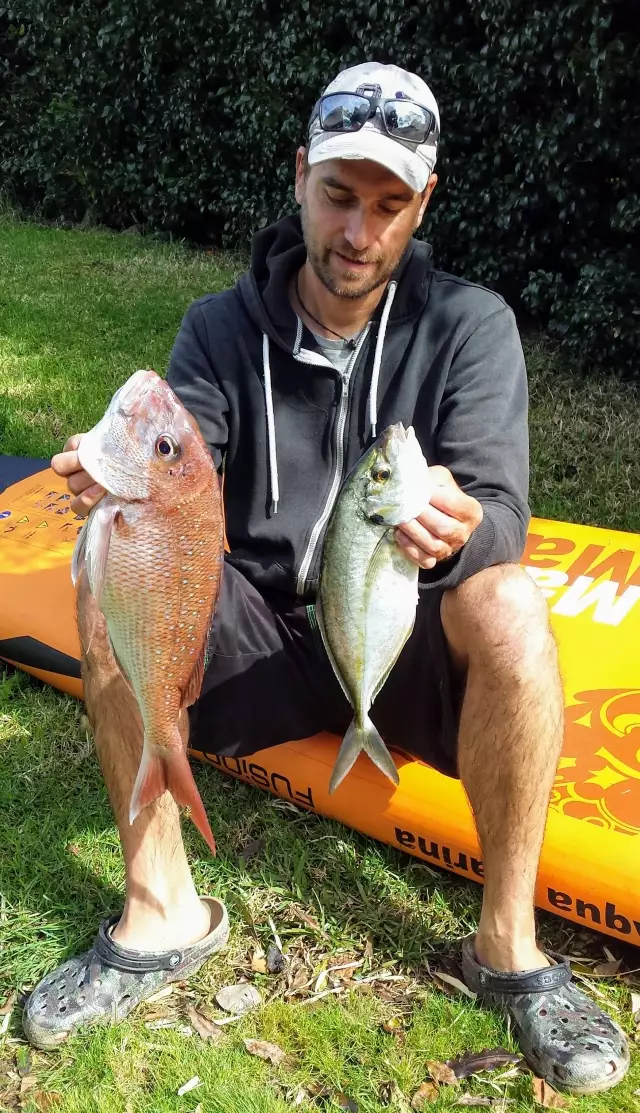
[
  {"x": 367, "y": 738},
  {"x": 165, "y": 769}
]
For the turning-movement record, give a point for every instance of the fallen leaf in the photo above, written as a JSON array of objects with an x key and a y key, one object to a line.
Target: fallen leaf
[
  {"x": 393, "y": 1024},
  {"x": 346, "y": 1102},
  {"x": 579, "y": 967},
  {"x": 609, "y": 954},
  {"x": 472, "y": 1062},
  {"x": 472, "y": 1099},
  {"x": 166, "y": 991},
  {"x": 608, "y": 969},
  {"x": 389, "y": 1093},
  {"x": 318, "y": 1091},
  {"x": 453, "y": 983},
  {"x": 299, "y": 1097},
  {"x": 545, "y": 1095},
  {"x": 487, "y": 1103},
  {"x": 276, "y": 961},
  {"x": 29, "y": 1082},
  {"x": 23, "y": 1061},
  {"x": 635, "y": 1006},
  {"x": 298, "y": 980},
  {"x": 368, "y": 950},
  {"x": 46, "y": 1100},
  {"x": 424, "y": 1095},
  {"x": 265, "y": 1050},
  {"x": 251, "y": 850},
  {"x": 155, "y": 1014},
  {"x": 238, "y": 999},
  {"x": 296, "y": 913},
  {"x": 73, "y": 849},
  {"x": 6, "y": 1009},
  {"x": 440, "y": 1072},
  {"x": 190, "y": 1085},
  {"x": 206, "y": 1029},
  {"x": 259, "y": 961}
]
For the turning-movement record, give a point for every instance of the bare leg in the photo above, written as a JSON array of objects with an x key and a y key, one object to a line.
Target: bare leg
[
  {"x": 162, "y": 909},
  {"x": 511, "y": 732}
]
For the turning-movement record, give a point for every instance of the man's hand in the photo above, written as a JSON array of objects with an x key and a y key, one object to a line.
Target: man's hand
[
  {"x": 446, "y": 524},
  {"x": 79, "y": 482}
]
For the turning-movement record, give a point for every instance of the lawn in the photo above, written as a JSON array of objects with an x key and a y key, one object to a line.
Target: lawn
[{"x": 79, "y": 311}]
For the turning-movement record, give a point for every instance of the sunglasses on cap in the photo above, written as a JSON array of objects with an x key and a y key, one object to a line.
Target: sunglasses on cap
[{"x": 402, "y": 118}]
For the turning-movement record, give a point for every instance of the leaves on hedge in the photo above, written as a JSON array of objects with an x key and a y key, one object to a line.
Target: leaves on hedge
[{"x": 187, "y": 119}]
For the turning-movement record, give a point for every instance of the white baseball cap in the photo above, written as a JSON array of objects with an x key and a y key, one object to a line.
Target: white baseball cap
[{"x": 411, "y": 162}]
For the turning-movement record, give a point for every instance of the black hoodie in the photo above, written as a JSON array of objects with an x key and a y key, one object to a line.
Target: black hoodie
[{"x": 440, "y": 354}]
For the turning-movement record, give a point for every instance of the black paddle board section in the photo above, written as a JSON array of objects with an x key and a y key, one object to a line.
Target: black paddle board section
[
  {"x": 15, "y": 468},
  {"x": 36, "y": 655}
]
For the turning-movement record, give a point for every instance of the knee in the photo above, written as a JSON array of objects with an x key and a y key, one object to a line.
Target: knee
[{"x": 499, "y": 616}]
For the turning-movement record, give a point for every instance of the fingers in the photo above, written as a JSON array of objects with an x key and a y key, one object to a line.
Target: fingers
[
  {"x": 87, "y": 499},
  {"x": 454, "y": 503},
  {"x": 65, "y": 463},
  {"x": 444, "y": 526},
  {"x": 79, "y": 483},
  {"x": 451, "y": 531},
  {"x": 415, "y": 554},
  {"x": 419, "y": 545}
]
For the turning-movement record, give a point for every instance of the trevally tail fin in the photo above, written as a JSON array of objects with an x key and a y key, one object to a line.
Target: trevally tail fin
[
  {"x": 365, "y": 737},
  {"x": 163, "y": 769}
]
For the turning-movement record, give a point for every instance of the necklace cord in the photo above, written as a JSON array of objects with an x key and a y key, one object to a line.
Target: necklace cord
[{"x": 351, "y": 341}]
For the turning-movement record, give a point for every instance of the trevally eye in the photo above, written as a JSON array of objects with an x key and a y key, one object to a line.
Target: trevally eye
[
  {"x": 167, "y": 448},
  {"x": 381, "y": 473}
]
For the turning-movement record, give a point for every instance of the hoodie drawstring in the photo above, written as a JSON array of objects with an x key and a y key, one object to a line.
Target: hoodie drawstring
[
  {"x": 373, "y": 394},
  {"x": 377, "y": 359},
  {"x": 271, "y": 426}
]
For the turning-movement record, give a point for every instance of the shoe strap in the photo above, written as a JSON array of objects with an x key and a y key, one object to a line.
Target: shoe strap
[
  {"x": 527, "y": 981},
  {"x": 112, "y": 954}
]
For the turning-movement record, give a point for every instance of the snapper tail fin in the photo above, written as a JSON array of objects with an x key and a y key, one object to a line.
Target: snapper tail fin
[
  {"x": 167, "y": 769},
  {"x": 362, "y": 737}
]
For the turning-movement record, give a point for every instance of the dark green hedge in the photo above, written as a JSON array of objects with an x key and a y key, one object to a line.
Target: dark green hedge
[{"x": 187, "y": 116}]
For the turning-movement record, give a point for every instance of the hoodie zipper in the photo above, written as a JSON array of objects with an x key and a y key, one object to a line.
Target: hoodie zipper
[{"x": 343, "y": 405}]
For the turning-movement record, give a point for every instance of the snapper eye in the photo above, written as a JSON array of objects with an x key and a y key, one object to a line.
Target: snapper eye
[
  {"x": 381, "y": 473},
  {"x": 167, "y": 448}
]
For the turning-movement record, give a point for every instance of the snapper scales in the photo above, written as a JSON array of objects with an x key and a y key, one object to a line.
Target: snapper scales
[{"x": 153, "y": 552}]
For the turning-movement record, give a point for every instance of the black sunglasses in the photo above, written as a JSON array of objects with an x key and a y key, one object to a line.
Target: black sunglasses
[{"x": 402, "y": 118}]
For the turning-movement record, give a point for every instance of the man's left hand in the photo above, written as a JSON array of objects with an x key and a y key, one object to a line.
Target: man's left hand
[{"x": 446, "y": 524}]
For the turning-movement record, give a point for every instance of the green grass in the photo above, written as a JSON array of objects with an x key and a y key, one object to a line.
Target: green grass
[{"x": 79, "y": 312}]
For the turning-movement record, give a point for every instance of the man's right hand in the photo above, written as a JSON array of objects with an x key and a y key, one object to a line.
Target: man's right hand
[{"x": 79, "y": 482}]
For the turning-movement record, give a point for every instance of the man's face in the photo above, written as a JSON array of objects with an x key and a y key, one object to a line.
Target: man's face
[{"x": 357, "y": 219}]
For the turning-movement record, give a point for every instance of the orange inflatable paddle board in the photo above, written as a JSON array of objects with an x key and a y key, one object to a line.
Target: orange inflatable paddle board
[{"x": 590, "y": 866}]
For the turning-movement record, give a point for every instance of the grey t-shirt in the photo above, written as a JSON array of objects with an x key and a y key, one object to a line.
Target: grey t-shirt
[{"x": 339, "y": 352}]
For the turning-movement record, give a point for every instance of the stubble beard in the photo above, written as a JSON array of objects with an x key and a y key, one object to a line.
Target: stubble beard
[{"x": 320, "y": 261}]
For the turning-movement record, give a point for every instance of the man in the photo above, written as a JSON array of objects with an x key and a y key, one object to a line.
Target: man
[{"x": 342, "y": 327}]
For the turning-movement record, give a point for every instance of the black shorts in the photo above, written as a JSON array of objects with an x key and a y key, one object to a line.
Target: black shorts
[{"x": 269, "y": 680}]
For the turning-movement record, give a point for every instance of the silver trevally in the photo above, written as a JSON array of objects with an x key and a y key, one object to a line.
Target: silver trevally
[{"x": 368, "y": 591}]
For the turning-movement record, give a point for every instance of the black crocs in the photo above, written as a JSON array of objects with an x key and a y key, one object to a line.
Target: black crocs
[
  {"x": 106, "y": 983},
  {"x": 565, "y": 1038}
]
